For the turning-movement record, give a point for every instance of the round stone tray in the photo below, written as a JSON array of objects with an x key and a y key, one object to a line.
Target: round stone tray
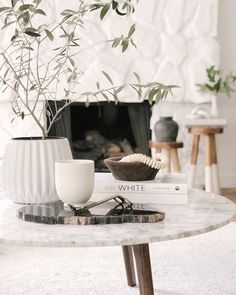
[{"x": 56, "y": 213}]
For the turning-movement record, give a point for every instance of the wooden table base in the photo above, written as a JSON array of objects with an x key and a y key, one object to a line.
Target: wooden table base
[
  {"x": 143, "y": 267},
  {"x": 129, "y": 265}
]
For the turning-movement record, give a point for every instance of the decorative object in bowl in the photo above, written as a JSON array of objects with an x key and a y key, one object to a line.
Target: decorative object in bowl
[{"x": 136, "y": 167}]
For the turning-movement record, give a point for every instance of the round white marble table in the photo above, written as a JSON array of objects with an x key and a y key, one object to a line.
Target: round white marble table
[{"x": 204, "y": 212}]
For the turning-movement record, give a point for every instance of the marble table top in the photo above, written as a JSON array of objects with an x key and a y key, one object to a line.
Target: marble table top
[{"x": 204, "y": 212}]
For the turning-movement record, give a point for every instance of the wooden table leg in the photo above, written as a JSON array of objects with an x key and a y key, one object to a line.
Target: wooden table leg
[
  {"x": 208, "y": 163},
  {"x": 167, "y": 153},
  {"x": 175, "y": 160},
  {"x": 215, "y": 173},
  {"x": 158, "y": 150},
  {"x": 143, "y": 266},
  {"x": 129, "y": 265},
  {"x": 194, "y": 156}
]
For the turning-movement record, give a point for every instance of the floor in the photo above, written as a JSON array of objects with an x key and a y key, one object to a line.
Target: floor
[{"x": 229, "y": 193}]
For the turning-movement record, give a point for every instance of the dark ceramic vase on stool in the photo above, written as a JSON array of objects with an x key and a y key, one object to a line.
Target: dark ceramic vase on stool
[{"x": 166, "y": 129}]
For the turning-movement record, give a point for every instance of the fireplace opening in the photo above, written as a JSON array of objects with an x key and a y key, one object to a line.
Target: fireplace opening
[
  {"x": 111, "y": 121},
  {"x": 102, "y": 130}
]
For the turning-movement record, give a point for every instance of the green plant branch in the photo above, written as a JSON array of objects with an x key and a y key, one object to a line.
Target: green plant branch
[
  {"x": 28, "y": 80},
  {"x": 25, "y": 89},
  {"x": 13, "y": 70},
  {"x": 217, "y": 82},
  {"x": 28, "y": 108},
  {"x": 26, "y": 40}
]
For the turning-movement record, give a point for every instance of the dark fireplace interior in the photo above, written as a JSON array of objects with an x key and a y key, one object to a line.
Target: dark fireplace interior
[{"x": 103, "y": 130}]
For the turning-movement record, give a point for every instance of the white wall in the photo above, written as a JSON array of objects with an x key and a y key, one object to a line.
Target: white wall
[{"x": 227, "y": 141}]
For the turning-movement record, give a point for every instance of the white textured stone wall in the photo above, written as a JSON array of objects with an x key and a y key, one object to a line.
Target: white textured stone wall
[
  {"x": 175, "y": 39},
  {"x": 175, "y": 44}
]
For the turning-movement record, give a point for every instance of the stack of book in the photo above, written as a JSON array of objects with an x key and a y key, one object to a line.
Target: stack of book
[{"x": 164, "y": 189}]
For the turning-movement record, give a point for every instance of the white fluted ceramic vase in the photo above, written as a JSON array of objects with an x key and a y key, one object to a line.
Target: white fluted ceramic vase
[{"x": 28, "y": 170}]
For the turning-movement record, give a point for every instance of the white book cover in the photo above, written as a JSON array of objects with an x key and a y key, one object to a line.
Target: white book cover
[
  {"x": 164, "y": 189},
  {"x": 162, "y": 184}
]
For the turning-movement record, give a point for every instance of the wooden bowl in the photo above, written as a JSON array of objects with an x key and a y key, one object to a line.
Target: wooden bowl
[{"x": 130, "y": 171}]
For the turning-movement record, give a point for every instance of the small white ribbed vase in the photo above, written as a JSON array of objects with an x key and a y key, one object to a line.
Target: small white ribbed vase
[
  {"x": 214, "y": 107},
  {"x": 28, "y": 170}
]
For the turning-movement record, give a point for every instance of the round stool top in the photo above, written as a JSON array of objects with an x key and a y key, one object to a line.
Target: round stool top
[
  {"x": 205, "y": 130},
  {"x": 165, "y": 144}
]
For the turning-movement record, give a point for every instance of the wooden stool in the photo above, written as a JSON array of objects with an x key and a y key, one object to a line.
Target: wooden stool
[
  {"x": 170, "y": 149},
  {"x": 211, "y": 170}
]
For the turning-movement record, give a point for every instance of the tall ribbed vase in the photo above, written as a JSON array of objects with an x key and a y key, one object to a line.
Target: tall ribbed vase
[{"x": 28, "y": 168}]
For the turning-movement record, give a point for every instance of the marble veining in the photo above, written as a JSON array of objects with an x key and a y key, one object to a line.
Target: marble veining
[{"x": 204, "y": 212}]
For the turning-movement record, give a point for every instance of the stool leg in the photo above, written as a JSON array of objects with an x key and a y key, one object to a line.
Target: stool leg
[
  {"x": 208, "y": 164},
  {"x": 194, "y": 156},
  {"x": 168, "y": 154},
  {"x": 158, "y": 150},
  {"x": 175, "y": 160},
  {"x": 215, "y": 174}
]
